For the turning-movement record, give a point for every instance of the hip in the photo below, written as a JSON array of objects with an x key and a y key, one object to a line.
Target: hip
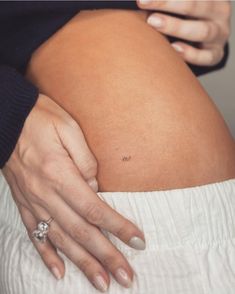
[{"x": 144, "y": 115}]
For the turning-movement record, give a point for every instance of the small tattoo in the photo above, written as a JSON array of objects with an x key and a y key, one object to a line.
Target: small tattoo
[{"x": 126, "y": 158}]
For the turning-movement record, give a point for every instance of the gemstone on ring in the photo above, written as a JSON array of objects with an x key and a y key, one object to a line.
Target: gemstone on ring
[
  {"x": 43, "y": 226},
  {"x": 39, "y": 236},
  {"x": 40, "y": 233}
]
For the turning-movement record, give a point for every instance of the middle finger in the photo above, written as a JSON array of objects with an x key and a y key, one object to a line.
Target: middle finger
[
  {"x": 78, "y": 195},
  {"x": 89, "y": 237}
]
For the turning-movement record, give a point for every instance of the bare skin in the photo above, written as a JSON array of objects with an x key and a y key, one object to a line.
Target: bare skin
[{"x": 145, "y": 116}]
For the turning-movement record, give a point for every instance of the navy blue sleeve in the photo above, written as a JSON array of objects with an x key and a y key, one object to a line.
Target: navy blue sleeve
[{"x": 17, "y": 98}]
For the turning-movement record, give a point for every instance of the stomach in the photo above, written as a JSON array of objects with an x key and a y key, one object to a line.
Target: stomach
[{"x": 146, "y": 118}]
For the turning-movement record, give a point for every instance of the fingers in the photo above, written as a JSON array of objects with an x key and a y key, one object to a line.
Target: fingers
[
  {"x": 88, "y": 265},
  {"x": 67, "y": 234},
  {"x": 89, "y": 249},
  {"x": 202, "y": 9},
  {"x": 209, "y": 25},
  {"x": 76, "y": 193},
  {"x": 74, "y": 142},
  {"x": 46, "y": 250},
  {"x": 203, "y": 57},
  {"x": 92, "y": 265},
  {"x": 92, "y": 269},
  {"x": 192, "y": 30}
]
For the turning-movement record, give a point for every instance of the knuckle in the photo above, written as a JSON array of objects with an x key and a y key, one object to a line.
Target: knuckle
[
  {"x": 108, "y": 260},
  {"x": 176, "y": 27},
  {"x": 57, "y": 239},
  {"x": 111, "y": 260},
  {"x": 85, "y": 264},
  {"x": 94, "y": 213},
  {"x": 205, "y": 31},
  {"x": 80, "y": 234},
  {"x": 50, "y": 167}
]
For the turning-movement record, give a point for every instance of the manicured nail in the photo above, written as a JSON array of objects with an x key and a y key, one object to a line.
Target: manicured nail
[
  {"x": 93, "y": 184},
  {"x": 123, "y": 278},
  {"x": 100, "y": 283},
  {"x": 155, "y": 21},
  {"x": 137, "y": 243},
  {"x": 56, "y": 272},
  {"x": 143, "y": 2},
  {"x": 177, "y": 47}
]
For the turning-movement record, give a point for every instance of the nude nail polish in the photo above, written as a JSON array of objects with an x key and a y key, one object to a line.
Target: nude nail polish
[
  {"x": 137, "y": 243},
  {"x": 177, "y": 47},
  {"x": 155, "y": 21},
  {"x": 123, "y": 278},
  {"x": 143, "y": 2},
  {"x": 56, "y": 272},
  {"x": 100, "y": 283}
]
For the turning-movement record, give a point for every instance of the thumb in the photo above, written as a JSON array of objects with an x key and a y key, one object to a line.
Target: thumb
[{"x": 75, "y": 144}]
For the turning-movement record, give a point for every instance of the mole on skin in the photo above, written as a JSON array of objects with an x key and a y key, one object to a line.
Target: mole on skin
[{"x": 126, "y": 158}]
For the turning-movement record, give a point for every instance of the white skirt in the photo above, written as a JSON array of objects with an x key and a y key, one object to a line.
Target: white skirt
[{"x": 190, "y": 245}]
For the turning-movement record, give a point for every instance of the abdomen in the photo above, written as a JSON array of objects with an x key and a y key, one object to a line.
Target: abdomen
[{"x": 146, "y": 118}]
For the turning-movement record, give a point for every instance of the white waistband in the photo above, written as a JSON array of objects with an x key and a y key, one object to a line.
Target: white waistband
[{"x": 200, "y": 215}]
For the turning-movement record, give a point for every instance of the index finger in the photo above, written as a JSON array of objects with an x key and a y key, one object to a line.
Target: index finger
[{"x": 82, "y": 199}]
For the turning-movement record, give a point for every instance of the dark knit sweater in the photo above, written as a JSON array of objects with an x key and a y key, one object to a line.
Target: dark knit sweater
[{"x": 24, "y": 25}]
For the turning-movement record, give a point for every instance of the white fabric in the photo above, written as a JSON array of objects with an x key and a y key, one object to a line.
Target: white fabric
[{"x": 190, "y": 236}]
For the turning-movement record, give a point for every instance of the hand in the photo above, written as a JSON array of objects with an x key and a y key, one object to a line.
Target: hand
[
  {"x": 48, "y": 174},
  {"x": 208, "y": 24}
]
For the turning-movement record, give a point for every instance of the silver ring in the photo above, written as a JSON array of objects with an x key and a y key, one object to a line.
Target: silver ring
[{"x": 40, "y": 233}]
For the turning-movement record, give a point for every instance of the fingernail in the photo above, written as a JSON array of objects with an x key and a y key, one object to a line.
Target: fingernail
[
  {"x": 177, "y": 47},
  {"x": 143, "y": 2},
  {"x": 93, "y": 184},
  {"x": 137, "y": 243},
  {"x": 100, "y": 283},
  {"x": 155, "y": 21},
  {"x": 123, "y": 278},
  {"x": 56, "y": 272}
]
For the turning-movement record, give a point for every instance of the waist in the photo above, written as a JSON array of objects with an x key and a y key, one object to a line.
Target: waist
[
  {"x": 200, "y": 216},
  {"x": 138, "y": 105}
]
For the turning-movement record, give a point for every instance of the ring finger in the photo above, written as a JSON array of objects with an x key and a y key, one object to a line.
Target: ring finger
[
  {"x": 82, "y": 235},
  {"x": 47, "y": 251},
  {"x": 92, "y": 269}
]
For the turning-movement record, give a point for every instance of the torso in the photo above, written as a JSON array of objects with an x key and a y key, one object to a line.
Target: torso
[{"x": 145, "y": 117}]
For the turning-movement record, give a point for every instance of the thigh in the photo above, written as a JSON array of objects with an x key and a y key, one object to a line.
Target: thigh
[{"x": 145, "y": 116}]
